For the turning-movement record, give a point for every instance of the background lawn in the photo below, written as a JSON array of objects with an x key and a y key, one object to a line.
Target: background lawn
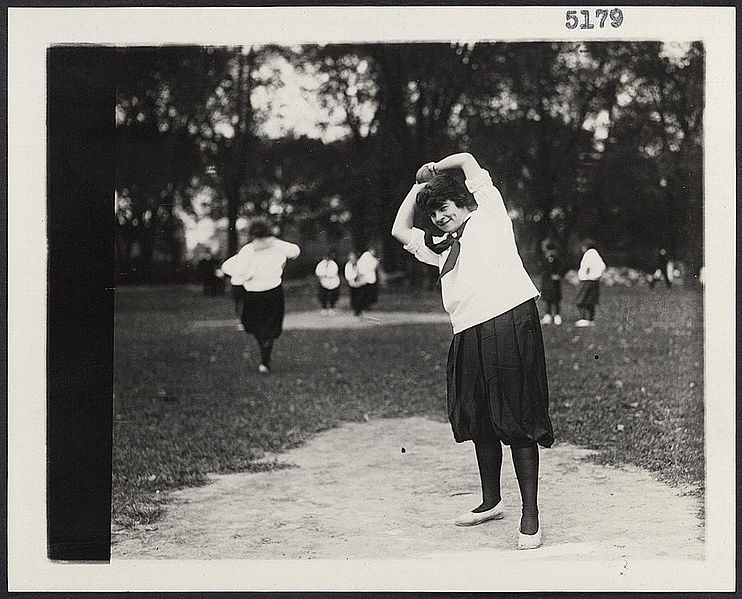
[{"x": 189, "y": 401}]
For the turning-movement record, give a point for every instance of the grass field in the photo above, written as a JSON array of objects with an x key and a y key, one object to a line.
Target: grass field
[{"x": 190, "y": 401}]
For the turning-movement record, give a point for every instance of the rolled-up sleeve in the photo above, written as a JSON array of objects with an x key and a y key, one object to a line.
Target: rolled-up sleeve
[
  {"x": 232, "y": 266},
  {"x": 488, "y": 197},
  {"x": 417, "y": 248},
  {"x": 475, "y": 183},
  {"x": 290, "y": 250}
]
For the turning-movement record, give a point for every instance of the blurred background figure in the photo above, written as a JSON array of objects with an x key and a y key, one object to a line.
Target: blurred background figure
[
  {"x": 591, "y": 269},
  {"x": 208, "y": 275},
  {"x": 328, "y": 282},
  {"x": 238, "y": 293},
  {"x": 355, "y": 283},
  {"x": 552, "y": 271},
  {"x": 663, "y": 269},
  {"x": 259, "y": 265},
  {"x": 368, "y": 266}
]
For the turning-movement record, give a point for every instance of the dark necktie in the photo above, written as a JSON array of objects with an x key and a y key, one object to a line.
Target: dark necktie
[{"x": 451, "y": 241}]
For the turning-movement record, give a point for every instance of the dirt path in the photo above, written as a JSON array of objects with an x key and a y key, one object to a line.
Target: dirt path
[{"x": 354, "y": 493}]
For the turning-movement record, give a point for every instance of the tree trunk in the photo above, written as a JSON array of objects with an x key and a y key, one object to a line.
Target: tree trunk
[
  {"x": 241, "y": 143},
  {"x": 396, "y": 150}
]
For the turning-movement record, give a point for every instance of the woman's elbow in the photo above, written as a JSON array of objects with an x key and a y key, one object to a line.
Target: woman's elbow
[
  {"x": 468, "y": 159},
  {"x": 401, "y": 234},
  {"x": 396, "y": 231}
]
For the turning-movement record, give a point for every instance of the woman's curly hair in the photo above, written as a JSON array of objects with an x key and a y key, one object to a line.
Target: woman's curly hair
[
  {"x": 441, "y": 188},
  {"x": 260, "y": 228}
]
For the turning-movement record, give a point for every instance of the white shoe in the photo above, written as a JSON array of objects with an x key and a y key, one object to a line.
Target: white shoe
[
  {"x": 263, "y": 369},
  {"x": 557, "y": 320},
  {"x": 582, "y": 323},
  {"x": 546, "y": 319},
  {"x": 474, "y": 518},
  {"x": 530, "y": 541}
]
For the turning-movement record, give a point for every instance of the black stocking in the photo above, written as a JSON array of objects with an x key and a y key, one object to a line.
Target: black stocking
[
  {"x": 266, "y": 347},
  {"x": 489, "y": 460},
  {"x": 525, "y": 462}
]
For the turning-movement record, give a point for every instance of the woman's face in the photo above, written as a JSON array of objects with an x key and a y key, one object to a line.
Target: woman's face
[{"x": 449, "y": 217}]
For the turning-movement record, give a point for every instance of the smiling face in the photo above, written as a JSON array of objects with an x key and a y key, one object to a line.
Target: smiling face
[
  {"x": 448, "y": 217},
  {"x": 446, "y": 201}
]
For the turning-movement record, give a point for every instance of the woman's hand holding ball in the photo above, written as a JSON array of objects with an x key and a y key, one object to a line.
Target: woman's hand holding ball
[{"x": 425, "y": 173}]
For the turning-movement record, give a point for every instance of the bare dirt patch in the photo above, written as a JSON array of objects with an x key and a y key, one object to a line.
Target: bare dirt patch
[{"x": 390, "y": 489}]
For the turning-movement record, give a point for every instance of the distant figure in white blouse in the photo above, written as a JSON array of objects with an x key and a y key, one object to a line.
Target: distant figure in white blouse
[
  {"x": 259, "y": 265},
  {"x": 328, "y": 282},
  {"x": 368, "y": 265},
  {"x": 355, "y": 283},
  {"x": 591, "y": 270}
]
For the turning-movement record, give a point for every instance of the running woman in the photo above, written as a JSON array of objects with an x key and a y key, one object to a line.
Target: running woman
[{"x": 259, "y": 265}]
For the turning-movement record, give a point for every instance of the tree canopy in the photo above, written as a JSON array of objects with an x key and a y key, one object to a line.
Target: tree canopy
[{"x": 599, "y": 139}]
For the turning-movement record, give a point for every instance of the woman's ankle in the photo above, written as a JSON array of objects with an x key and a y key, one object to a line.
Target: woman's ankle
[
  {"x": 487, "y": 504},
  {"x": 529, "y": 522}
]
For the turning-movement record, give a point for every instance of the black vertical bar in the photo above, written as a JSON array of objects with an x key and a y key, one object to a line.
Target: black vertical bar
[{"x": 80, "y": 145}]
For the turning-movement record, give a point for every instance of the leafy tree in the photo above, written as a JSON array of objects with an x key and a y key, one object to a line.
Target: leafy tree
[
  {"x": 160, "y": 93},
  {"x": 670, "y": 94},
  {"x": 152, "y": 167},
  {"x": 600, "y": 139}
]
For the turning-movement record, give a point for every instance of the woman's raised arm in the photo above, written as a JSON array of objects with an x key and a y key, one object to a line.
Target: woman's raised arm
[
  {"x": 402, "y": 227},
  {"x": 488, "y": 197},
  {"x": 463, "y": 160}
]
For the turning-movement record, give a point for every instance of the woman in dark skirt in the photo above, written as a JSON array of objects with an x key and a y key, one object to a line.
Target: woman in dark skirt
[
  {"x": 238, "y": 294},
  {"x": 356, "y": 284},
  {"x": 552, "y": 271},
  {"x": 328, "y": 282},
  {"x": 259, "y": 265},
  {"x": 497, "y": 386},
  {"x": 591, "y": 270}
]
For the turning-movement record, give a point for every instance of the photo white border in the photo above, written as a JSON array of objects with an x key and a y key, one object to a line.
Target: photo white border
[{"x": 32, "y": 30}]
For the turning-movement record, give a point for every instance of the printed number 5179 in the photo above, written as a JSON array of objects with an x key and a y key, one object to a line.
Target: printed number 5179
[{"x": 601, "y": 15}]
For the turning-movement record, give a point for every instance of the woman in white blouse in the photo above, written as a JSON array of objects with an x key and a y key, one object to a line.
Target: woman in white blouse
[
  {"x": 368, "y": 265},
  {"x": 496, "y": 375},
  {"x": 591, "y": 270},
  {"x": 356, "y": 283},
  {"x": 259, "y": 265},
  {"x": 328, "y": 282}
]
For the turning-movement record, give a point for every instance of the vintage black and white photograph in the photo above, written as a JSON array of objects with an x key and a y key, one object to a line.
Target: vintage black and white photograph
[{"x": 429, "y": 299}]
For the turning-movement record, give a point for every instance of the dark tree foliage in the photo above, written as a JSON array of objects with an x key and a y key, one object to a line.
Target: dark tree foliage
[{"x": 596, "y": 139}]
